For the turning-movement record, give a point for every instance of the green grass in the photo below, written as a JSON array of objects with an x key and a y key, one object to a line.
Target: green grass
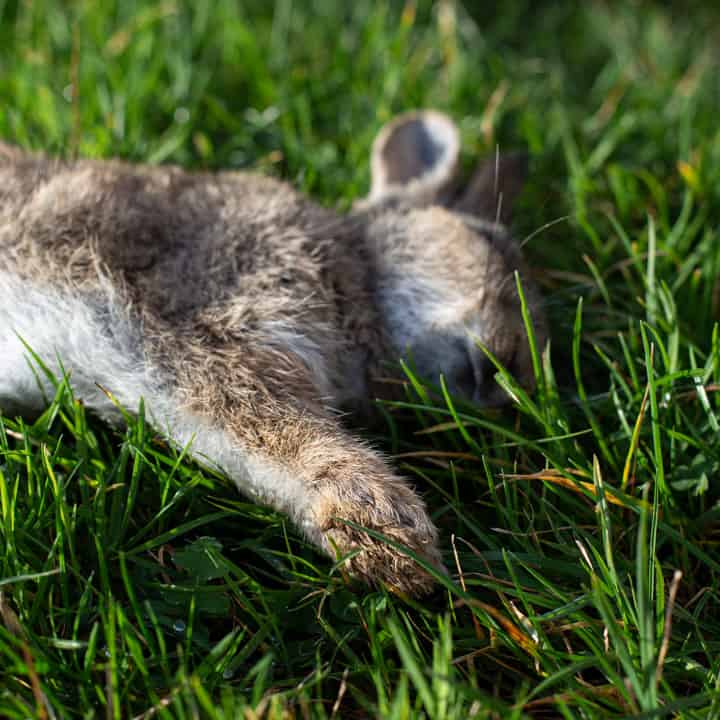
[{"x": 581, "y": 525}]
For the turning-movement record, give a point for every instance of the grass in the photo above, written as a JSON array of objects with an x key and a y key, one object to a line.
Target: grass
[{"x": 581, "y": 524}]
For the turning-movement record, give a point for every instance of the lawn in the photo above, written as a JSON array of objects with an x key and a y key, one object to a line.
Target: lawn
[{"x": 580, "y": 524}]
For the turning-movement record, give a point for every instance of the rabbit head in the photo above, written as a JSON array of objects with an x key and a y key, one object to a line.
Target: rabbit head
[{"x": 445, "y": 260}]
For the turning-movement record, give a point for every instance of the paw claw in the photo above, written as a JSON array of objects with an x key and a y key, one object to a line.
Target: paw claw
[{"x": 397, "y": 515}]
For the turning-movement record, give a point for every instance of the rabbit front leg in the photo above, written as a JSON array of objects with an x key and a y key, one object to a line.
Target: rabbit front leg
[
  {"x": 307, "y": 465},
  {"x": 350, "y": 482}
]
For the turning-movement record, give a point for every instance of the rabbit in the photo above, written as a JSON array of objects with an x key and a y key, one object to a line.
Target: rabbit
[{"x": 249, "y": 318}]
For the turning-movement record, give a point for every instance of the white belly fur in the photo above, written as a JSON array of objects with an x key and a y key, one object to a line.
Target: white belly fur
[{"x": 98, "y": 345}]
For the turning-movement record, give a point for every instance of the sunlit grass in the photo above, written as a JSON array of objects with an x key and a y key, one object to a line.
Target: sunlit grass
[{"x": 580, "y": 525}]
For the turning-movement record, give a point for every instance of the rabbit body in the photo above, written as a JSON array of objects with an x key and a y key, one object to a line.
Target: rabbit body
[{"x": 245, "y": 315}]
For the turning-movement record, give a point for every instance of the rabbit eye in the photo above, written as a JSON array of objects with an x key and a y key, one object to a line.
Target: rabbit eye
[
  {"x": 465, "y": 380},
  {"x": 485, "y": 370},
  {"x": 514, "y": 364}
]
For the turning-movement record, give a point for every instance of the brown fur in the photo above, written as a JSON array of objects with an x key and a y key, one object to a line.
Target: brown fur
[{"x": 217, "y": 269}]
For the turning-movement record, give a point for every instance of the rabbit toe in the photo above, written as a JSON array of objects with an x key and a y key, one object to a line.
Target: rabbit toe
[{"x": 401, "y": 531}]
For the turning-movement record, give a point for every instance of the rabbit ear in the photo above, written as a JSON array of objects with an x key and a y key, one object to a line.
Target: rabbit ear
[
  {"x": 494, "y": 186},
  {"x": 416, "y": 155}
]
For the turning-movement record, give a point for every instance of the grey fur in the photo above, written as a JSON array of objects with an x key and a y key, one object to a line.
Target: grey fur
[{"x": 246, "y": 315}]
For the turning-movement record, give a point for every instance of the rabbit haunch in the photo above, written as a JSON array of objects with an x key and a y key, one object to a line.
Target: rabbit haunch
[{"x": 245, "y": 315}]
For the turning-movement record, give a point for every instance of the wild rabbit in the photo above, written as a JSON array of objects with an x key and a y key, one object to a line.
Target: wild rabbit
[{"x": 246, "y": 316}]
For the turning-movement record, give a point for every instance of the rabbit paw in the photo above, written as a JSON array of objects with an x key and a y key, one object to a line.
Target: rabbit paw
[{"x": 384, "y": 503}]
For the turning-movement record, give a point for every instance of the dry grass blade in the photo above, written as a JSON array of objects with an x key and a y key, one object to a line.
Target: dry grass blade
[
  {"x": 519, "y": 636},
  {"x": 557, "y": 478},
  {"x": 635, "y": 439}
]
